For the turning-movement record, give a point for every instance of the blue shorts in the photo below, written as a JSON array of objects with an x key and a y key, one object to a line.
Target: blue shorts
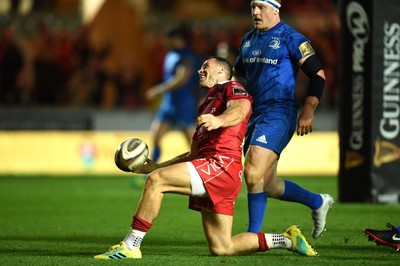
[
  {"x": 179, "y": 116},
  {"x": 271, "y": 130}
]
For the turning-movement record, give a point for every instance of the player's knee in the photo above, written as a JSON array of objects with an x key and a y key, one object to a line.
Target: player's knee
[
  {"x": 158, "y": 181},
  {"x": 252, "y": 175},
  {"x": 153, "y": 180},
  {"x": 219, "y": 250}
]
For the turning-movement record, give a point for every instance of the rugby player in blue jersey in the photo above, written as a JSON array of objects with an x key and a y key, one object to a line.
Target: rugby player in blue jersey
[
  {"x": 179, "y": 102},
  {"x": 269, "y": 59}
]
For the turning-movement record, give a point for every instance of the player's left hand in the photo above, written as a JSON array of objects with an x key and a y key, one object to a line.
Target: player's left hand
[{"x": 208, "y": 121}]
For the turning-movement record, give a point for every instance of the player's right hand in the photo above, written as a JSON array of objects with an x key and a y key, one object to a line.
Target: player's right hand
[{"x": 148, "y": 167}]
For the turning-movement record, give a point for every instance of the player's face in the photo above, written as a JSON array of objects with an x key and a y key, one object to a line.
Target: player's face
[
  {"x": 209, "y": 73},
  {"x": 263, "y": 15}
]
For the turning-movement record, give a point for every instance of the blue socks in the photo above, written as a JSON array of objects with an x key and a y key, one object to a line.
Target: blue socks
[
  {"x": 156, "y": 153},
  {"x": 295, "y": 193},
  {"x": 256, "y": 204}
]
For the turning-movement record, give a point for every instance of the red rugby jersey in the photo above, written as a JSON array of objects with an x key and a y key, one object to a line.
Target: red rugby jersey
[{"x": 222, "y": 141}]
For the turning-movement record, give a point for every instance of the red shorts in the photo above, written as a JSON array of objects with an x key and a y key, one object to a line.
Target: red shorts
[{"x": 222, "y": 178}]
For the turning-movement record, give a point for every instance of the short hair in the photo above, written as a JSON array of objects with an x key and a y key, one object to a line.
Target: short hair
[{"x": 225, "y": 63}]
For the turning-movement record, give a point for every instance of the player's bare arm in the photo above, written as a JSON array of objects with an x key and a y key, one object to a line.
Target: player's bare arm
[
  {"x": 181, "y": 75},
  {"x": 312, "y": 67},
  {"x": 149, "y": 166},
  {"x": 235, "y": 113},
  {"x": 306, "y": 118}
]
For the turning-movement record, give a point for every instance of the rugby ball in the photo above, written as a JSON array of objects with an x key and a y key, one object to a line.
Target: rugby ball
[{"x": 131, "y": 154}]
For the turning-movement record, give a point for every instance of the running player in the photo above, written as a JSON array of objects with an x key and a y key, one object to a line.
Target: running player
[
  {"x": 179, "y": 102},
  {"x": 270, "y": 56}
]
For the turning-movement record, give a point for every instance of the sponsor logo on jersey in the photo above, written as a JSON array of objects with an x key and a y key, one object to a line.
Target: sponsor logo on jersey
[
  {"x": 306, "y": 49},
  {"x": 260, "y": 60},
  {"x": 256, "y": 52}
]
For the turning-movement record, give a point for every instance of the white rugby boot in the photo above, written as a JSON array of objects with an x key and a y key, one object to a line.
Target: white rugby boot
[{"x": 319, "y": 215}]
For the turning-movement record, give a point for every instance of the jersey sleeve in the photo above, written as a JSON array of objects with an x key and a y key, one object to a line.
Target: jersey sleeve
[
  {"x": 299, "y": 46},
  {"x": 235, "y": 91}
]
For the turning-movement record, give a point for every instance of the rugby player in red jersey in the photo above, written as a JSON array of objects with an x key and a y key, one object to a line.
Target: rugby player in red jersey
[{"x": 210, "y": 174}]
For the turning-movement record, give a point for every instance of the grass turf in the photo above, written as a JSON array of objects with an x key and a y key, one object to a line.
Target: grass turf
[{"x": 67, "y": 220}]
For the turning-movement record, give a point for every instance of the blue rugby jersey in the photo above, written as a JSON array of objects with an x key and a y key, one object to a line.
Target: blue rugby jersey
[
  {"x": 268, "y": 61},
  {"x": 185, "y": 94}
]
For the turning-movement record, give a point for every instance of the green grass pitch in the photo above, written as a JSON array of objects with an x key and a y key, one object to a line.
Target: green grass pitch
[{"x": 47, "y": 220}]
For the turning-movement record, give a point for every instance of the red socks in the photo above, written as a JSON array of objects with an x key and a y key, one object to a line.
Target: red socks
[
  {"x": 262, "y": 242},
  {"x": 141, "y": 224}
]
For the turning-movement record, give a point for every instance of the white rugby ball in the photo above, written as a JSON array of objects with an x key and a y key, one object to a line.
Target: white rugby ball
[{"x": 131, "y": 154}]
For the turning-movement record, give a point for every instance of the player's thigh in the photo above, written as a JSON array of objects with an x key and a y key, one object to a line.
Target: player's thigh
[
  {"x": 260, "y": 162},
  {"x": 174, "y": 179},
  {"x": 218, "y": 230}
]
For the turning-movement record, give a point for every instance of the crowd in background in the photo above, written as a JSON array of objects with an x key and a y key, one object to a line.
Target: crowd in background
[{"x": 50, "y": 65}]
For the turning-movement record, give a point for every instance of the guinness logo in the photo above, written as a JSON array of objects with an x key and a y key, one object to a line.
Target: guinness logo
[
  {"x": 353, "y": 159},
  {"x": 385, "y": 152}
]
